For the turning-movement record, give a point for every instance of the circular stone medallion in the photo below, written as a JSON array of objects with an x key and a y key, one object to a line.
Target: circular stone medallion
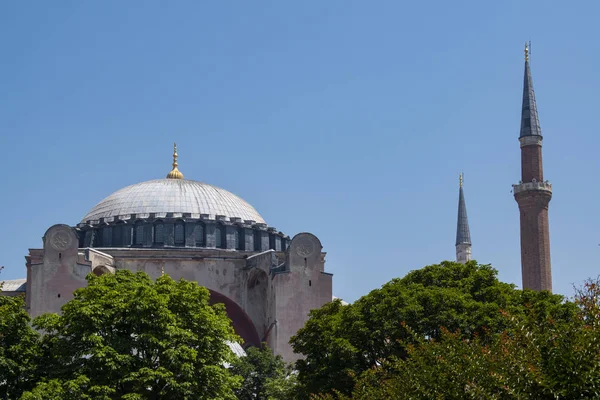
[
  {"x": 305, "y": 247},
  {"x": 60, "y": 240}
]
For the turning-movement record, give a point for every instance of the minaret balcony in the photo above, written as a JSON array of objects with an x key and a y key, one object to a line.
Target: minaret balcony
[{"x": 532, "y": 186}]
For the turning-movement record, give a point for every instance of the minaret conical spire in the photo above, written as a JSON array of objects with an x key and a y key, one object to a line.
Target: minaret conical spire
[
  {"x": 463, "y": 234},
  {"x": 530, "y": 123}
]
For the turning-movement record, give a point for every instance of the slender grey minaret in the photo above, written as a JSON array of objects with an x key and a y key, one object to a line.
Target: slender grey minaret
[{"x": 463, "y": 235}]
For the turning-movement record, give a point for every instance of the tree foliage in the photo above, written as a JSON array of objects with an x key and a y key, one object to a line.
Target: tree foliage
[
  {"x": 341, "y": 342},
  {"x": 125, "y": 336},
  {"x": 265, "y": 376},
  {"x": 18, "y": 348},
  {"x": 530, "y": 359},
  {"x": 449, "y": 331}
]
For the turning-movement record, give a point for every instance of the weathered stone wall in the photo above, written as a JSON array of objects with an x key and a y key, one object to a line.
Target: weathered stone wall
[
  {"x": 268, "y": 295},
  {"x": 303, "y": 287},
  {"x": 52, "y": 282},
  {"x": 243, "y": 279},
  {"x": 221, "y": 274}
]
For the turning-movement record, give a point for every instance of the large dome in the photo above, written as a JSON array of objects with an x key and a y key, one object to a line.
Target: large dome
[{"x": 162, "y": 196}]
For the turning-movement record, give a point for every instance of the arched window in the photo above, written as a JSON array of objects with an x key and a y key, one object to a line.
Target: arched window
[
  {"x": 257, "y": 243},
  {"x": 97, "y": 238},
  {"x": 106, "y": 236},
  {"x": 139, "y": 233},
  {"x": 199, "y": 234},
  {"x": 219, "y": 236},
  {"x": 159, "y": 233},
  {"x": 81, "y": 236},
  {"x": 117, "y": 235},
  {"x": 179, "y": 233},
  {"x": 236, "y": 238}
]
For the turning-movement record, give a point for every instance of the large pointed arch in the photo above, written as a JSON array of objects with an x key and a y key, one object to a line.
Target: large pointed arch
[
  {"x": 257, "y": 288},
  {"x": 242, "y": 323}
]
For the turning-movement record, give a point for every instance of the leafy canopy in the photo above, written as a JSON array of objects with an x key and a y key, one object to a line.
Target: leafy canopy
[
  {"x": 18, "y": 347},
  {"x": 265, "y": 376},
  {"x": 125, "y": 336},
  {"x": 531, "y": 359},
  {"x": 340, "y": 342}
]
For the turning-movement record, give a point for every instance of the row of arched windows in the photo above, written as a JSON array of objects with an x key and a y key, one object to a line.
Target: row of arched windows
[{"x": 142, "y": 232}]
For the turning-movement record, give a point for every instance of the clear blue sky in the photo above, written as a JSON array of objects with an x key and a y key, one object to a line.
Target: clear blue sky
[{"x": 348, "y": 119}]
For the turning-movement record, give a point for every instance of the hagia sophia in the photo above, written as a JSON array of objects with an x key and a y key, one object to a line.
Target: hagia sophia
[{"x": 267, "y": 280}]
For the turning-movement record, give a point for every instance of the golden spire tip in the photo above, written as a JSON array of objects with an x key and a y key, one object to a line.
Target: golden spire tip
[
  {"x": 175, "y": 174},
  {"x": 174, "y": 154},
  {"x": 526, "y": 52},
  {"x": 460, "y": 179}
]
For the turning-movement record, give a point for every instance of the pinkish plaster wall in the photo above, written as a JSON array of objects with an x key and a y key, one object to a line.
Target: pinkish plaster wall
[
  {"x": 277, "y": 304},
  {"x": 61, "y": 272}
]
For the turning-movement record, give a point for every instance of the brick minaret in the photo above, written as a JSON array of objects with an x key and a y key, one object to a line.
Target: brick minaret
[
  {"x": 533, "y": 195},
  {"x": 463, "y": 235}
]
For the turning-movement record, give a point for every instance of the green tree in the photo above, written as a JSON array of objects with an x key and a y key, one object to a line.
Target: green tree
[
  {"x": 265, "y": 376},
  {"x": 74, "y": 389},
  {"x": 18, "y": 347},
  {"x": 125, "y": 336},
  {"x": 340, "y": 342},
  {"x": 532, "y": 358}
]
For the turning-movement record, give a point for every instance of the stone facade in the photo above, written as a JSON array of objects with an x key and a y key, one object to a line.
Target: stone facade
[
  {"x": 195, "y": 231},
  {"x": 267, "y": 294}
]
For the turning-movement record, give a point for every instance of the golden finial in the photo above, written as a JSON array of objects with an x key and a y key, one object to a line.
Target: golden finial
[
  {"x": 460, "y": 179},
  {"x": 526, "y": 52},
  {"x": 162, "y": 270},
  {"x": 175, "y": 174},
  {"x": 175, "y": 155}
]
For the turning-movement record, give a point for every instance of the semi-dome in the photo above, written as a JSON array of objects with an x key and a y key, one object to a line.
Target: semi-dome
[{"x": 162, "y": 196}]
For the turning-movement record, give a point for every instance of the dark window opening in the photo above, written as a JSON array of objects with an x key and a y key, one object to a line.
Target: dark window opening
[
  {"x": 139, "y": 233},
  {"x": 199, "y": 234},
  {"x": 179, "y": 233},
  {"x": 257, "y": 246},
  {"x": 117, "y": 235},
  {"x": 106, "y": 236},
  {"x": 236, "y": 239},
  {"x": 219, "y": 237},
  {"x": 159, "y": 233}
]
